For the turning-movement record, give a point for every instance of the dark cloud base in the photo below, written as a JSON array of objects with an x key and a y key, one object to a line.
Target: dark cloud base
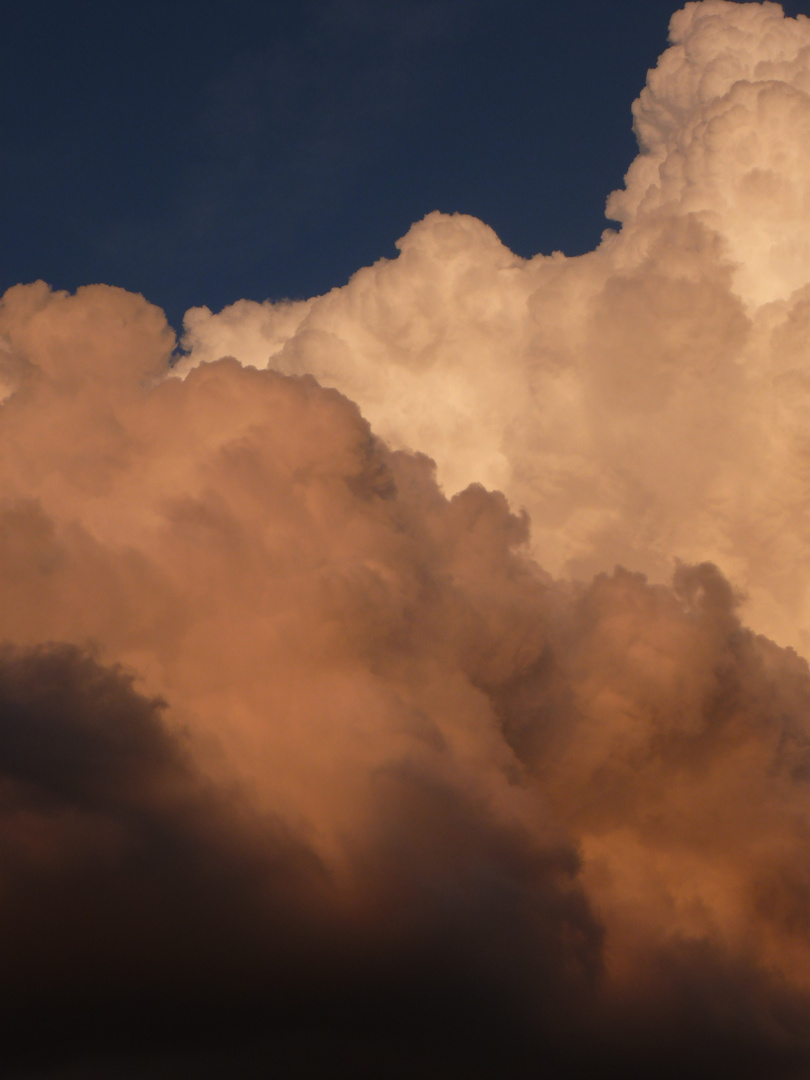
[
  {"x": 154, "y": 926},
  {"x": 149, "y": 923}
]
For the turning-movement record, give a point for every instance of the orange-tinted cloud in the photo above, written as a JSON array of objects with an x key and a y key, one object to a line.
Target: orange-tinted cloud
[
  {"x": 645, "y": 401},
  {"x": 296, "y": 747}
]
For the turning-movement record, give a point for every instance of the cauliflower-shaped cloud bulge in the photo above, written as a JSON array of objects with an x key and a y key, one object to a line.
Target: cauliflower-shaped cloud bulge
[{"x": 644, "y": 402}]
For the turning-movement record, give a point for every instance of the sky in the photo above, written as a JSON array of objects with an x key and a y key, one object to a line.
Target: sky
[
  {"x": 404, "y": 565},
  {"x": 203, "y": 154}
]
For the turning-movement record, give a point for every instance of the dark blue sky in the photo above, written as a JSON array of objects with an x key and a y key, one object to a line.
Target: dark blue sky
[{"x": 199, "y": 153}]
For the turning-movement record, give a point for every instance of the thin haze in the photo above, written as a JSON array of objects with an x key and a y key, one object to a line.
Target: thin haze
[{"x": 411, "y": 678}]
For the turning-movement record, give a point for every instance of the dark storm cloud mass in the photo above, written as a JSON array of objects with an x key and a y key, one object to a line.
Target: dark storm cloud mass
[
  {"x": 145, "y": 911},
  {"x": 152, "y": 919},
  {"x": 132, "y": 890},
  {"x": 305, "y": 762}
]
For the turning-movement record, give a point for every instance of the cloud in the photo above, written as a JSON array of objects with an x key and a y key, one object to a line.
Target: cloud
[
  {"x": 304, "y": 754},
  {"x": 392, "y": 753},
  {"x": 131, "y": 888},
  {"x": 147, "y": 911},
  {"x": 638, "y": 400}
]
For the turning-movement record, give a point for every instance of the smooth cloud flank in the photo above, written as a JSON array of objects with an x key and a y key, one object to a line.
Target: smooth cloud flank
[
  {"x": 644, "y": 402},
  {"x": 321, "y": 759}
]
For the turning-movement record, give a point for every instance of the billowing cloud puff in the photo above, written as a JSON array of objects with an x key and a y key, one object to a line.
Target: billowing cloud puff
[
  {"x": 723, "y": 128},
  {"x": 364, "y": 729},
  {"x": 645, "y": 401},
  {"x": 307, "y": 758}
]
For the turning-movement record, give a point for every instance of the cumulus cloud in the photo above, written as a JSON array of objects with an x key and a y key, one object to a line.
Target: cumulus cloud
[
  {"x": 366, "y": 745},
  {"x": 645, "y": 401},
  {"x": 312, "y": 747}
]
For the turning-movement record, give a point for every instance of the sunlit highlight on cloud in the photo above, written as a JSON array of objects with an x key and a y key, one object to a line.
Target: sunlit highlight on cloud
[{"x": 644, "y": 402}]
